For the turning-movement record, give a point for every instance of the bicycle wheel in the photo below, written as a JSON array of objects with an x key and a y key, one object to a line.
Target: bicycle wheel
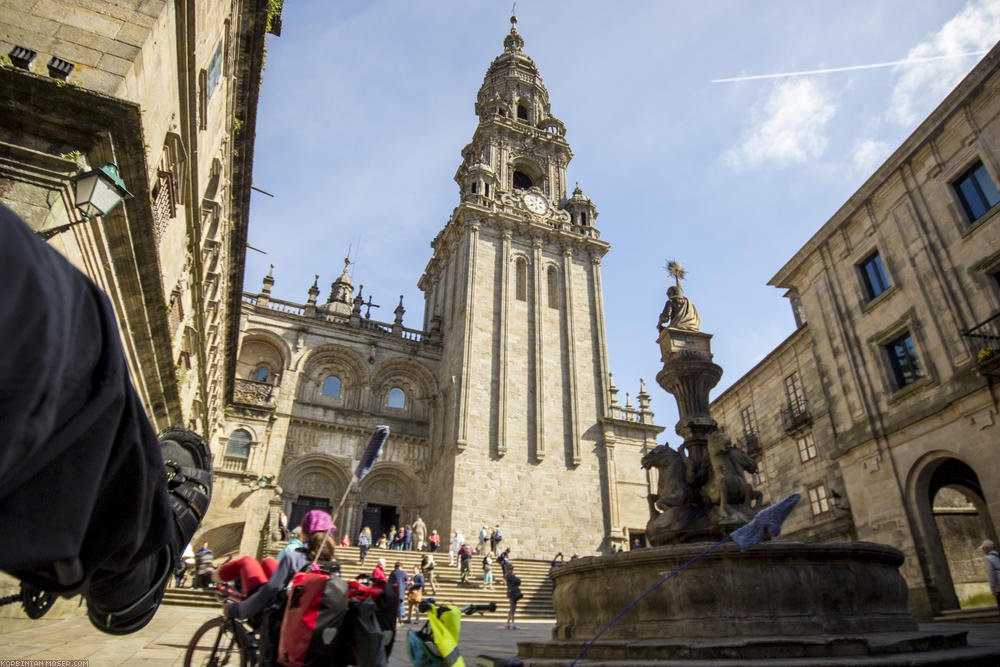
[{"x": 215, "y": 645}]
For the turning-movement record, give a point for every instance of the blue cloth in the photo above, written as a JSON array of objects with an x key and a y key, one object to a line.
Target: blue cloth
[
  {"x": 766, "y": 524},
  {"x": 292, "y": 545}
]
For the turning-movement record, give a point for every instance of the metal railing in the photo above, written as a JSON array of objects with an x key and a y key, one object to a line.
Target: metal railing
[
  {"x": 984, "y": 337},
  {"x": 795, "y": 416},
  {"x": 750, "y": 444}
]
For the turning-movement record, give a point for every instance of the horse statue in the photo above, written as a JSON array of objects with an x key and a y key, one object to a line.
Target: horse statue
[
  {"x": 672, "y": 490},
  {"x": 729, "y": 463}
]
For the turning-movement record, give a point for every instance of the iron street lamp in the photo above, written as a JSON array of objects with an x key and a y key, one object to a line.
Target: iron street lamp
[{"x": 97, "y": 193}]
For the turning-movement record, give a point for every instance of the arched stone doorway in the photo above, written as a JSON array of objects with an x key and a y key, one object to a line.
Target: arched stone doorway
[
  {"x": 314, "y": 482},
  {"x": 954, "y": 520},
  {"x": 386, "y": 498}
]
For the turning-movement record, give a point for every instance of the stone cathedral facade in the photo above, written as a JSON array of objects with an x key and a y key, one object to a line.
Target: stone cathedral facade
[{"x": 501, "y": 405}]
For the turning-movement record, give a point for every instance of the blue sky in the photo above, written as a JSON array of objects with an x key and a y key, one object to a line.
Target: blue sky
[{"x": 366, "y": 105}]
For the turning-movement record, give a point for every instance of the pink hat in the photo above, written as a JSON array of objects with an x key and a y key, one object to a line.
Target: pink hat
[{"x": 317, "y": 521}]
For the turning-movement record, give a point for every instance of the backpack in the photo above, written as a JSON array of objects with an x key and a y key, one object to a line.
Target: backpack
[
  {"x": 330, "y": 621},
  {"x": 497, "y": 537}
]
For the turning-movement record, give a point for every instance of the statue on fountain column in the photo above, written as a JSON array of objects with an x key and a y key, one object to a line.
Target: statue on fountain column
[{"x": 678, "y": 312}]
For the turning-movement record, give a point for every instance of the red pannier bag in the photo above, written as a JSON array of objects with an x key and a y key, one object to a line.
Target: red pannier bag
[{"x": 299, "y": 621}]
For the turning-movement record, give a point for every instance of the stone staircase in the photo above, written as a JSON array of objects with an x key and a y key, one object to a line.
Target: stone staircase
[{"x": 536, "y": 603}]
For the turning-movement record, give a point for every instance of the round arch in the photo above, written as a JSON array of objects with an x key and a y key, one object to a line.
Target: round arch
[
  {"x": 388, "y": 495},
  {"x": 416, "y": 381},
  {"x": 258, "y": 348},
  {"x": 947, "y": 558},
  {"x": 326, "y": 360},
  {"x": 315, "y": 481}
]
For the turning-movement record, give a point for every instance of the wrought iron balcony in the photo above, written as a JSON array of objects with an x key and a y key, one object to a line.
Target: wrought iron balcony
[
  {"x": 249, "y": 392},
  {"x": 750, "y": 444},
  {"x": 796, "y": 417},
  {"x": 984, "y": 345}
]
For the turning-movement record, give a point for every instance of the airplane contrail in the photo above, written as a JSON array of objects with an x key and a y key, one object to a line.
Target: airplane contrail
[{"x": 828, "y": 70}]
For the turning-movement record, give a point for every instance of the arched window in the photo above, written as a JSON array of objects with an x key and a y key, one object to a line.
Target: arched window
[
  {"x": 396, "y": 398},
  {"x": 522, "y": 112},
  {"x": 239, "y": 444},
  {"x": 262, "y": 373},
  {"x": 553, "y": 277},
  {"x": 521, "y": 279},
  {"x": 331, "y": 386},
  {"x": 522, "y": 181}
]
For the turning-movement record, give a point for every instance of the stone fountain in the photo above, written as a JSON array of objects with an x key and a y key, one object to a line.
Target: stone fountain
[{"x": 842, "y": 603}]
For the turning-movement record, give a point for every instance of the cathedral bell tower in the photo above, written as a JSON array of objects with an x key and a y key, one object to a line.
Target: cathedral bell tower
[{"x": 515, "y": 286}]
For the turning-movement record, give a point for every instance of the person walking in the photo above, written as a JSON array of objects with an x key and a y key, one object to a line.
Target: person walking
[
  {"x": 414, "y": 595},
  {"x": 504, "y": 560},
  {"x": 465, "y": 561},
  {"x": 364, "y": 542},
  {"x": 513, "y": 595},
  {"x": 398, "y": 580},
  {"x": 294, "y": 542},
  {"x": 204, "y": 567},
  {"x": 419, "y": 533},
  {"x": 488, "y": 571},
  {"x": 495, "y": 538},
  {"x": 427, "y": 567},
  {"x": 283, "y": 524},
  {"x": 989, "y": 549}
]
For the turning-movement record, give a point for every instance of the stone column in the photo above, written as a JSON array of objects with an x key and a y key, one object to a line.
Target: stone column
[
  {"x": 501, "y": 448},
  {"x": 574, "y": 398},
  {"x": 462, "y": 441},
  {"x": 536, "y": 245}
]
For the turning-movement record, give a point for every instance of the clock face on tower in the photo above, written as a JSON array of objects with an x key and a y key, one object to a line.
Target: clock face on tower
[{"x": 535, "y": 203}]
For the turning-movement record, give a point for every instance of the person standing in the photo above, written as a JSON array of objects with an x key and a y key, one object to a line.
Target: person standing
[
  {"x": 419, "y": 533},
  {"x": 204, "y": 566},
  {"x": 513, "y": 595},
  {"x": 495, "y": 538},
  {"x": 427, "y": 567},
  {"x": 456, "y": 543},
  {"x": 283, "y": 524},
  {"x": 407, "y": 539},
  {"x": 398, "y": 580},
  {"x": 378, "y": 574},
  {"x": 294, "y": 542},
  {"x": 992, "y": 568},
  {"x": 433, "y": 541},
  {"x": 484, "y": 536},
  {"x": 364, "y": 542}
]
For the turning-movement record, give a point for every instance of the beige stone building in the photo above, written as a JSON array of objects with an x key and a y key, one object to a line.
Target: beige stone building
[
  {"x": 167, "y": 92},
  {"x": 884, "y": 395},
  {"x": 501, "y": 404}
]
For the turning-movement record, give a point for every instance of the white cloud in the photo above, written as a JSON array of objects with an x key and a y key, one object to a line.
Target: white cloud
[
  {"x": 790, "y": 128},
  {"x": 921, "y": 87},
  {"x": 869, "y": 154}
]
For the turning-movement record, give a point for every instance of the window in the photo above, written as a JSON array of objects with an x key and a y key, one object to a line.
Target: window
[
  {"x": 976, "y": 191},
  {"x": 214, "y": 69},
  {"x": 521, "y": 181},
  {"x": 522, "y": 112},
  {"x": 583, "y": 218},
  {"x": 749, "y": 427},
  {"x": 331, "y": 386},
  {"x": 807, "y": 447},
  {"x": 486, "y": 190},
  {"x": 396, "y": 398},
  {"x": 239, "y": 444},
  {"x": 261, "y": 374},
  {"x": 521, "y": 279},
  {"x": 874, "y": 276},
  {"x": 553, "y": 284},
  {"x": 903, "y": 361},
  {"x": 819, "y": 502},
  {"x": 795, "y": 394},
  {"x": 473, "y": 188}
]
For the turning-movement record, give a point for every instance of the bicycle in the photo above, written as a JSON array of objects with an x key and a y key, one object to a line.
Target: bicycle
[{"x": 223, "y": 641}]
